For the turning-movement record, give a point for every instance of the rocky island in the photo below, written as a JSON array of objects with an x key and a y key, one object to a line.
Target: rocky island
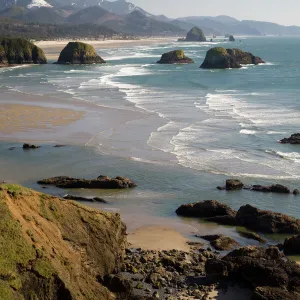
[
  {"x": 79, "y": 53},
  {"x": 175, "y": 57},
  {"x": 231, "y": 38},
  {"x": 294, "y": 139},
  {"x": 194, "y": 35},
  {"x": 20, "y": 51},
  {"x": 221, "y": 58}
]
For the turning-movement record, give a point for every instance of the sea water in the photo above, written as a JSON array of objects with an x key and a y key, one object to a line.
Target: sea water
[{"x": 198, "y": 127}]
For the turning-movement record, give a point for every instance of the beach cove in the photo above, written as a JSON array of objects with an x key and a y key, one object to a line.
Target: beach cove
[{"x": 178, "y": 139}]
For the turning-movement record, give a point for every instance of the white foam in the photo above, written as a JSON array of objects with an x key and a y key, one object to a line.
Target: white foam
[{"x": 248, "y": 132}]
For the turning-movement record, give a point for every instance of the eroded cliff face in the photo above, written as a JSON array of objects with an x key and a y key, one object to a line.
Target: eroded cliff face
[{"x": 55, "y": 249}]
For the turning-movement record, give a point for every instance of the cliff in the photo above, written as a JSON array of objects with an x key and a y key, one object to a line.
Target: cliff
[
  {"x": 20, "y": 51},
  {"x": 55, "y": 249},
  {"x": 79, "y": 53}
]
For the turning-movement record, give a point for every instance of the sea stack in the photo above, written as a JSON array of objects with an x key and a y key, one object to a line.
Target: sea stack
[
  {"x": 221, "y": 58},
  {"x": 195, "y": 35},
  {"x": 175, "y": 57},
  {"x": 79, "y": 53},
  {"x": 231, "y": 38},
  {"x": 20, "y": 51}
]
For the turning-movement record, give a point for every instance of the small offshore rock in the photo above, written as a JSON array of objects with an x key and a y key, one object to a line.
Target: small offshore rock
[
  {"x": 296, "y": 192},
  {"x": 76, "y": 198},
  {"x": 231, "y": 38},
  {"x": 252, "y": 236},
  {"x": 29, "y": 146},
  {"x": 175, "y": 57},
  {"x": 294, "y": 139},
  {"x": 234, "y": 184}
]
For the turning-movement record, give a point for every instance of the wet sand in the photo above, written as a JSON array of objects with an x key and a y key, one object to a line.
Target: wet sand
[
  {"x": 52, "y": 49},
  {"x": 157, "y": 238}
]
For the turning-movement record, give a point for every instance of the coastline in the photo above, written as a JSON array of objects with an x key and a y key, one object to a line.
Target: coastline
[{"x": 52, "y": 49}]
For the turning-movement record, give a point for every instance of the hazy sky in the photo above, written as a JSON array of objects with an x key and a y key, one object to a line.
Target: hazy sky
[{"x": 285, "y": 12}]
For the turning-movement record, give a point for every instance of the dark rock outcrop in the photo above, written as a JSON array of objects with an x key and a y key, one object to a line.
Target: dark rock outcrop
[
  {"x": 79, "y": 53},
  {"x": 102, "y": 182},
  {"x": 205, "y": 209},
  {"x": 231, "y": 38},
  {"x": 53, "y": 249},
  {"x": 175, "y": 57},
  {"x": 20, "y": 51},
  {"x": 195, "y": 35},
  {"x": 296, "y": 192},
  {"x": 291, "y": 245},
  {"x": 29, "y": 146},
  {"x": 294, "y": 139},
  {"x": 266, "y": 221},
  {"x": 221, "y": 58},
  {"x": 258, "y": 267},
  {"x": 76, "y": 198}
]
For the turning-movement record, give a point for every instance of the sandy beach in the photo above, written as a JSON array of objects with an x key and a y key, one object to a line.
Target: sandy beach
[{"x": 52, "y": 49}]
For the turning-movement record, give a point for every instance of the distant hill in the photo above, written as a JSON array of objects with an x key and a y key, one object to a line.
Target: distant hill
[
  {"x": 94, "y": 15},
  {"x": 138, "y": 24}
]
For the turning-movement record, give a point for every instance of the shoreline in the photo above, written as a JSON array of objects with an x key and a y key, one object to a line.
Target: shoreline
[{"x": 52, "y": 49}]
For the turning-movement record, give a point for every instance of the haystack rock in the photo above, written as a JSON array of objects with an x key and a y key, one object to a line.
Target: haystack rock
[
  {"x": 79, "y": 53},
  {"x": 221, "y": 58}
]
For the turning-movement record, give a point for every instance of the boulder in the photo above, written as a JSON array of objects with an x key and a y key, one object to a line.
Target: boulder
[
  {"x": 205, "y": 209},
  {"x": 223, "y": 220},
  {"x": 294, "y": 139},
  {"x": 234, "y": 184},
  {"x": 195, "y": 35},
  {"x": 291, "y": 245},
  {"x": 231, "y": 38},
  {"x": 221, "y": 242},
  {"x": 274, "y": 293},
  {"x": 281, "y": 189},
  {"x": 296, "y": 192},
  {"x": 175, "y": 57},
  {"x": 102, "y": 182},
  {"x": 221, "y": 58},
  {"x": 266, "y": 221},
  {"x": 79, "y": 53},
  {"x": 20, "y": 51},
  {"x": 76, "y": 198}
]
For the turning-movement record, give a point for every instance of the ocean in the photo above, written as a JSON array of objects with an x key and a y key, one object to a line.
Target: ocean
[{"x": 195, "y": 127}]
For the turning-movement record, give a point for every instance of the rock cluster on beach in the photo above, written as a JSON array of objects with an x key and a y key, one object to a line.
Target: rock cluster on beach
[
  {"x": 294, "y": 139},
  {"x": 175, "y": 57},
  {"x": 20, "y": 51},
  {"x": 265, "y": 270},
  {"x": 79, "y": 53},
  {"x": 221, "y": 58},
  {"x": 235, "y": 184},
  {"x": 194, "y": 35},
  {"x": 248, "y": 216},
  {"x": 102, "y": 182}
]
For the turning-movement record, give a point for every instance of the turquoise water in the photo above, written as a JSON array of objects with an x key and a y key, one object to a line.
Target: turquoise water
[{"x": 198, "y": 128}]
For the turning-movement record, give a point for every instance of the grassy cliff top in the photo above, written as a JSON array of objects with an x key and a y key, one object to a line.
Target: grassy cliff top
[
  {"x": 54, "y": 249},
  {"x": 73, "y": 47},
  {"x": 220, "y": 51}
]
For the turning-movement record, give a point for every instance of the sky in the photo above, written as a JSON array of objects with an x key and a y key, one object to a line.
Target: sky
[{"x": 285, "y": 12}]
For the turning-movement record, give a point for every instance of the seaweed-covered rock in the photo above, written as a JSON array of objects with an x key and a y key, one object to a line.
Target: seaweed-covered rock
[
  {"x": 221, "y": 242},
  {"x": 102, "y": 182},
  {"x": 195, "y": 35},
  {"x": 175, "y": 57},
  {"x": 79, "y": 53},
  {"x": 266, "y": 221},
  {"x": 205, "y": 209},
  {"x": 221, "y": 58},
  {"x": 20, "y": 51},
  {"x": 231, "y": 38},
  {"x": 53, "y": 249},
  {"x": 294, "y": 139}
]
